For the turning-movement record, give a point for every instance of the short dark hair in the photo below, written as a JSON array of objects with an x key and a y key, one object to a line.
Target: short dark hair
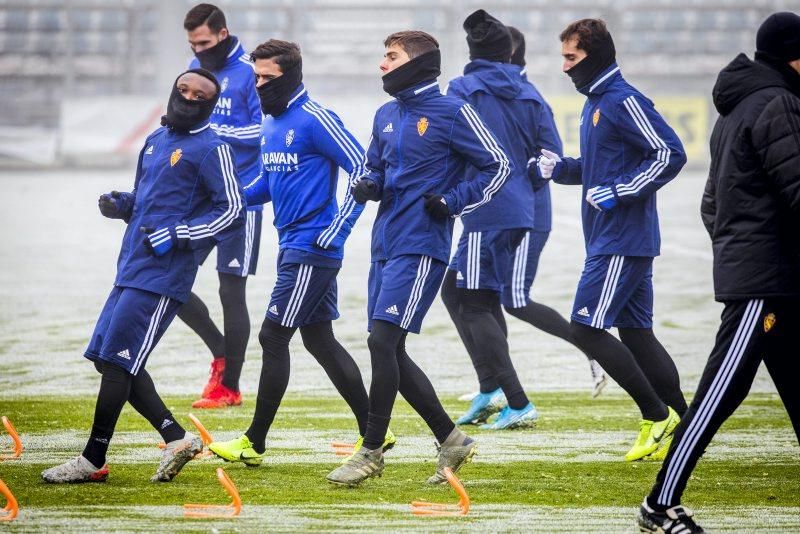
[
  {"x": 285, "y": 53},
  {"x": 414, "y": 42},
  {"x": 588, "y": 31},
  {"x": 205, "y": 14}
]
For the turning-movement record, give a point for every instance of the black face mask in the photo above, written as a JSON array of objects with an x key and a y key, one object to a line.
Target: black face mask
[
  {"x": 420, "y": 69},
  {"x": 214, "y": 58},
  {"x": 276, "y": 93},
  {"x": 182, "y": 113},
  {"x": 590, "y": 67}
]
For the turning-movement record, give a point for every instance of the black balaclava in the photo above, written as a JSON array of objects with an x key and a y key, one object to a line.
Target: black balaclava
[
  {"x": 518, "y": 56},
  {"x": 601, "y": 54},
  {"x": 214, "y": 58},
  {"x": 487, "y": 37},
  {"x": 778, "y": 43},
  {"x": 182, "y": 113},
  {"x": 420, "y": 69},
  {"x": 276, "y": 93}
]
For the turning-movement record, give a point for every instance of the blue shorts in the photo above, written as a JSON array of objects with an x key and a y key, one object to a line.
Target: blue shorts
[
  {"x": 238, "y": 255},
  {"x": 484, "y": 259},
  {"x": 615, "y": 291},
  {"x": 130, "y": 326},
  {"x": 523, "y": 269},
  {"x": 402, "y": 289},
  {"x": 304, "y": 294}
]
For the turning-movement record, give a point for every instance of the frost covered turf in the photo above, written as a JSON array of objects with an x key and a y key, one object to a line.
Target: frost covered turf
[{"x": 566, "y": 474}]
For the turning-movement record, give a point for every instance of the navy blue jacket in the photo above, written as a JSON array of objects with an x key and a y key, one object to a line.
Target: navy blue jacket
[
  {"x": 301, "y": 151},
  {"x": 186, "y": 181},
  {"x": 422, "y": 143},
  {"x": 237, "y": 115},
  {"x": 627, "y": 146},
  {"x": 513, "y": 112}
]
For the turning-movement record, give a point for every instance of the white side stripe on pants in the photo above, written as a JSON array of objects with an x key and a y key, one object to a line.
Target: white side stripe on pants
[
  {"x": 711, "y": 401},
  {"x": 250, "y": 230},
  {"x": 296, "y": 298},
  {"x": 609, "y": 287},
  {"x": 150, "y": 334},
  {"x": 474, "y": 260},
  {"x": 518, "y": 295},
  {"x": 416, "y": 291}
]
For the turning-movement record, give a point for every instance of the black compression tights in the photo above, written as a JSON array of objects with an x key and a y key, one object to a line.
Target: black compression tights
[
  {"x": 393, "y": 371},
  {"x": 116, "y": 387},
  {"x": 236, "y": 322},
  {"x": 319, "y": 340}
]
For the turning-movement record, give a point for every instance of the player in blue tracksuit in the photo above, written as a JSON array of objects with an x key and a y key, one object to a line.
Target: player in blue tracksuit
[
  {"x": 237, "y": 120},
  {"x": 185, "y": 197},
  {"x": 422, "y": 143},
  {"x": 303, "y": 146},
  {"x": 628, "y": 152}
]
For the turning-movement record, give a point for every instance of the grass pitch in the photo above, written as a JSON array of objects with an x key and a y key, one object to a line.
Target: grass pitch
[{"x": 566, "y": 474}]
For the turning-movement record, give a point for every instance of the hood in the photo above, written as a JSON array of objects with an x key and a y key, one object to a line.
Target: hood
[
  {"x": 741, "y": 78},
  {"x": 498, "y": 79}
]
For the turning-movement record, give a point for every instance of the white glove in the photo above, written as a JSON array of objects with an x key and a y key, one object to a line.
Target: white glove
[{"x": 547, "y": 163}]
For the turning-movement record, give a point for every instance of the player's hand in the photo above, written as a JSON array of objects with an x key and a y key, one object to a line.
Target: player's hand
[
  {"x": 109, "y": 204},
  {"x": 549, "y": 164},
  {"x": 437, "y": 206},
  {"x": 365, "y": 189},
  {"x": 601, "y": 198},
  {"x": 159, "y": 242}
]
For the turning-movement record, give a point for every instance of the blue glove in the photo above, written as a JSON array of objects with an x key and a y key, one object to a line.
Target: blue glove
[
  {"x": 602, "y": 198},
  {"x": 365, "y": 189},
  {"x": 436, "y": 205},
  {"x": 161, "y": 241}
]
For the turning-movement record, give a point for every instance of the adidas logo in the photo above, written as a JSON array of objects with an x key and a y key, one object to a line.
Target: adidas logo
[
  {"x": 234, "y": 263},
  {"x": 584, "y": 312},
  {"x": 273, "y": 309},
  {"x": 124, "y": 354},
  {"x": 459, "y": 276},
  {"x": 392, "y": 310},
  {"x": 388, "y": 128},
  {"x": 149, "y": 150},
  {"x": 166, "y": 423}
]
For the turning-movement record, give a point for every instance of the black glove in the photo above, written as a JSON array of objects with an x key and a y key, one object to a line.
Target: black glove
[
  {"x": 364, "y": 190},
  {"x": 436, "y": 206},
  {"x": 108, "y": 204}
]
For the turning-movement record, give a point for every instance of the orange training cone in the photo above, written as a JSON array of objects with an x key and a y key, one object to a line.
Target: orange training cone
[
  {"x": 341, "y": 448},
  {"x": 11, "y": 509},
  {"x": 436, "y": 509},
  {"x": 215, "y": 510},
  {"x": 15, "y": 437}
]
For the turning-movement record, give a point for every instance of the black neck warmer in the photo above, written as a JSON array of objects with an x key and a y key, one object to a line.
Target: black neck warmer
[
  {"x": 214, "y": 58},
  {"x": 182, "y": 113},
  {"x": 487, "y": 37},
  {"x": 518, "y": 57},
  {"x": 791, "y": 76},
  {"x": 275, "y": 94},
  {"x": 421, "y": 68},
  {"x": 601, "y": 57}
]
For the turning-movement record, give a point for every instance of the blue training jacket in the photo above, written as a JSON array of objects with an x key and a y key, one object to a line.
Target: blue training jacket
[
  {"x": 627, "y": 146},
  {"x": 422, "y": 143},
  {"x": 182, "y": 179},
  {"x": 237, "y": 115},
  {"x": 514, "y": 113},
  {"x": 301, "y": 152},
  {"x": 549, "y": 139}
]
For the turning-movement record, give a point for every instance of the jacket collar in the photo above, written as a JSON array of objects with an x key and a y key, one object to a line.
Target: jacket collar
[
  {"x": 603, "y": 81},
  {"x": 420, "y": 92},
  {"x": 299, "y": 97},
  {"x": 236, "y": 52}
]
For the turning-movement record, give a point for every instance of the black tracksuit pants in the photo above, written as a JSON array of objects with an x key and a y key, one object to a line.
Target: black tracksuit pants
[{"x": 751, "y": 331}]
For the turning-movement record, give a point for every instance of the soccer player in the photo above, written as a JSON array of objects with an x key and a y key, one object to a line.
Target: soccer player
[
  {"x": 185, "y": 197},
  {"x": 751, "y": 209},
  {"x": 237, "y": 120},
  {"x": 628, "y": 152},
  {"x": 303, "y": 145},
  {"x": 421, "y": 145}
]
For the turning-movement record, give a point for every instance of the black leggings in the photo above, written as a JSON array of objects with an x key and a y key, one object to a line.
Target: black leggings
[
  {"x": 116, "y": 387},
  {"x": 319, "y": 340},
  {"x": 236, "y": 321},
  {"x": 393, "y": 371}
]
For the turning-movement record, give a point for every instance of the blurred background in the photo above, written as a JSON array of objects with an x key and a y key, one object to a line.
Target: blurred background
[{"x": 83, "y": 81}]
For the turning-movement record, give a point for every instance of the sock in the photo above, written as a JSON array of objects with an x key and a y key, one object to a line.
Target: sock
[
  {"x": 196, "y": 316},
  {"x": 376, "y": 425},
  {"x": 145, "y": 400},
  {"x": 236, "y": 322},
  {"x": 383, "y": 342},
  {"x": 115, "y": 386},
  {"x": 456, "y": 438}
]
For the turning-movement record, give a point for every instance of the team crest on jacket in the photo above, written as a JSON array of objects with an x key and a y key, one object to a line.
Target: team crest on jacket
[
  {"x": 422, "y": 126},
  {"x": 289, "y": 137},
  {"x": 223, "y": 85},
  {"x": 175, "y": 156},
  {"x": 769, "y": 322},
  {"x": 596, "y": 117}
]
